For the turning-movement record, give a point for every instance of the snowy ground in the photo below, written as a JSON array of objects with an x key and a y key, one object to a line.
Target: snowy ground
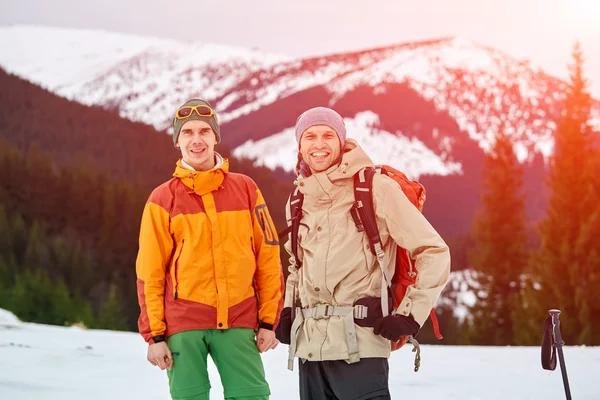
[{"x": 51, "y": 363}]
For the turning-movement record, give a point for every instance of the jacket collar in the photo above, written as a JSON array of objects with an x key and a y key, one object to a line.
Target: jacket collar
[
  {"x": 325, "y": 183},
  {"x": 202, "y": 182}
]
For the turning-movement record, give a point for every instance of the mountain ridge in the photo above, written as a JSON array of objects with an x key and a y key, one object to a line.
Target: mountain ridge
[{"x": 431, "y": 108}]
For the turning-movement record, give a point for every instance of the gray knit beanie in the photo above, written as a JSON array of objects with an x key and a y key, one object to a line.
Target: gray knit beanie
[
  {"x": 212, "y": 120},
  {"x": 321, "y": 116}
]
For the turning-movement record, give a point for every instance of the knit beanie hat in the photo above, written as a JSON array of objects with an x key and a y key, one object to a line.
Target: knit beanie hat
[
  {"x": 211, "y": 121},
  {"x": 321, "y": 116}
]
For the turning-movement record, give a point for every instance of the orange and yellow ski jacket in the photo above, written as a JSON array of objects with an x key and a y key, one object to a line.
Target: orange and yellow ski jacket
[{"x": 208, "y": 256}]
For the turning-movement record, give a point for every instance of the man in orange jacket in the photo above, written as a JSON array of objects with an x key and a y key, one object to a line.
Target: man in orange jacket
[{"x": 209, "y": 273}]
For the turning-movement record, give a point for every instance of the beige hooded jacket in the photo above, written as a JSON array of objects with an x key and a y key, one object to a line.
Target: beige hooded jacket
[{"x": 337, "y": 266}]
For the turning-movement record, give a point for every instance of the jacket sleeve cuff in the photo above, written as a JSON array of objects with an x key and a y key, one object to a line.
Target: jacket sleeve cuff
[
  {"x": 157, "y": 339},
  {"x": 264, "y": 325}
]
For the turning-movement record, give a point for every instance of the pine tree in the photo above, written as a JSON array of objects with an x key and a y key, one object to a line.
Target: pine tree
[
  {"x": 19, "y": 237},
  {"x": 36, "y": 298},
  {"x": 110, "y": 316},
  {"x": 567, "y": 266},
  {"x": 5, "y": 232},
  {"x": 499, "y": 256},
  {"x": 36, "y": 254}
]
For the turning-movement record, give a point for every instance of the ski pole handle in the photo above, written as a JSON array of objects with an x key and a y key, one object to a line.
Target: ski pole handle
[
  {"x": 558, "y": 344},
  {"x": 558, "y": 340}
]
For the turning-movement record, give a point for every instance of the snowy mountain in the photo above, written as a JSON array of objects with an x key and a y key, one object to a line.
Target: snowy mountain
[
  {"x": 144, "y": 78},
  {"x": 429, "y": 108},
  {"x": 53, "y": 362},
  {"x": 67, "y": 57},
  {"x": 483, "y": 90}
]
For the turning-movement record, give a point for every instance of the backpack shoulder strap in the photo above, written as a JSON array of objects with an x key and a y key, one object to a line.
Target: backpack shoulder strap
[
  {"x": 363, "y": 211},
  {"x": 296, "y": 200}
]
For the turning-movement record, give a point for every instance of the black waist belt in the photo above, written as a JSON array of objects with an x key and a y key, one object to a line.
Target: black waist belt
[{"x": 373, "y": 304}]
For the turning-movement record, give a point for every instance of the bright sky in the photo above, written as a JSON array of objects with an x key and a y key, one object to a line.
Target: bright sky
[{"x": 542, "y": 31}]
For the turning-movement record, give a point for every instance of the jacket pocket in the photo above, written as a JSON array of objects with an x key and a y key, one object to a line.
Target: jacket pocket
[
  {"x": 371, "y": 263},
  {"x": 176, "y": 271}
]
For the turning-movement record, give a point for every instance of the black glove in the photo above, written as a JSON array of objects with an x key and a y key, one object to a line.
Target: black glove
[
  {"x": 284, "y": 328},
  {"x": 393, "y": 327}
]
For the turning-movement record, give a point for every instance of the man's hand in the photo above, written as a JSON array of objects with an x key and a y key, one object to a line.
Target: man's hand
[
  {"x": 160, "y": 355},
  {"x": 266, "y": 340},
  {"x": 284, "y": 329},
  {"x": 393, "y": 327}
]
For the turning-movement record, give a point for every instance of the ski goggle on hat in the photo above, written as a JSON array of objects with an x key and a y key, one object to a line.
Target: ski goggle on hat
[{"x": 186, "y": 111}]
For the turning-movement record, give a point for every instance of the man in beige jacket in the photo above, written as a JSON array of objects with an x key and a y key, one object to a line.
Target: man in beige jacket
[{"x": 339, "y": 331}]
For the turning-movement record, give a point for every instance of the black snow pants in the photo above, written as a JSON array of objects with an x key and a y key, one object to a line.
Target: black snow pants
[{"x": 338, "y": 380}]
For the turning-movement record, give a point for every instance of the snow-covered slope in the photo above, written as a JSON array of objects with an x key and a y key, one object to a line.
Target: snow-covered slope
[{"x": 41, "y": 362}]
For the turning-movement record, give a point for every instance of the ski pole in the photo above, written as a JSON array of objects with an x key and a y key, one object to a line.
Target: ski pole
[{"x": 558, "y": 344}]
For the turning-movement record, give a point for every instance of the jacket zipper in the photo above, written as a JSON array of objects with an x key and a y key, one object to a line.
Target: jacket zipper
[
  {"x": 252, "y": 246},
  {"x": 177, "y": 270}
]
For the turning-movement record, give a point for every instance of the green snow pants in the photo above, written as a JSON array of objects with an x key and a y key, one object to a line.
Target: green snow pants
[{"x": 235, "y": 355}]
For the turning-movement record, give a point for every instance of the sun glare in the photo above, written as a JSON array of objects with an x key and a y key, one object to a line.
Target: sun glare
[{"x": 585, "y": 12}]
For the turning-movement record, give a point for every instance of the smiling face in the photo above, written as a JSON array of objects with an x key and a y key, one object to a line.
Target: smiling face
[
  {"x": 197, "y": 143},
  {"x": 320, "y": 147}
]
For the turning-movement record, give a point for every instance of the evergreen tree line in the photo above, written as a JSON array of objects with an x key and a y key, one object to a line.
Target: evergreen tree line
[
  {"x": 36, "y": 278},
  {"x": 68, "y": 242},
  {"x": 517, "y": 285}
]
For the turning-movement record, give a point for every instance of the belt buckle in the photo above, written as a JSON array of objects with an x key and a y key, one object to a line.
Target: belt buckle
[
  {"x": 360, "y": 312},
  {"x": 321, "y": 311}
]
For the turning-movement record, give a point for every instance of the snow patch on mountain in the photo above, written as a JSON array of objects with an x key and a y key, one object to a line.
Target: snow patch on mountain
[
  {"x": 296, "y": 80},
  {"x": 151, "y": 86},
  {"x": 409, "y": 155},
  {"x": 143, "y": 78},
  {"x": 419, "y": 64},
  {"x": 469, "y": 81},
  {"x": 55, "y": 57}
]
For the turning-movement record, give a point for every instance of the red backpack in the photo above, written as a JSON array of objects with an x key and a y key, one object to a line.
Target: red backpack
[
  {"x": 405, "y": 273},
  {"x": 363, "y": 214}
]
